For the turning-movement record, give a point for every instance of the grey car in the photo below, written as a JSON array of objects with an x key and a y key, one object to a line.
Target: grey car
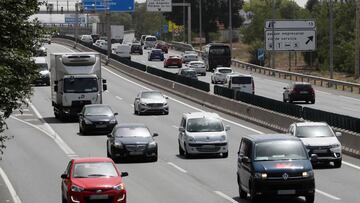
[
  {"x": 128, "y": 140},
  {"x": 150, "y": 102}
]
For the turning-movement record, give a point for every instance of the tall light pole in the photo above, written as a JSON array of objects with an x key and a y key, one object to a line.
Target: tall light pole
[
  {"x": 200, "y": 23},
  {"x": 107, "y": 13},
  {"x": 184, "y": 21},
  {"x": 331, "y": 41},
  {"x": 230, "y": 25},
  {"x": 273, "y": 36}
]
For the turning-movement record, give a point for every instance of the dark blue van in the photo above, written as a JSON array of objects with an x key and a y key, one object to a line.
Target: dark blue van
[{"x": 274, "y": 165}]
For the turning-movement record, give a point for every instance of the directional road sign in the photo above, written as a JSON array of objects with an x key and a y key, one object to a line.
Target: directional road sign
[
  {"x": 91, "y": 6},
  {"x": 261, "y": 54},
  {"x": 291, "y": 40},
  {"x": 159, "y": 5},
  {"x": 290, "y": 24},
  {"x": 71, "y": 19}
]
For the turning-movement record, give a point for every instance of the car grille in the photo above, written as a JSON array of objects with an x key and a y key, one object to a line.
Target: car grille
[
  {"x": 155, "y": 105},
  {"x": 204, "y": 149},
  {"x": 110, "y": 200},
  {"x": 100, "y": 123},
  {"x": 135, "y": 148},
  {"x": 279, "y": 176},
  {"x": 321, "y": 151},
  {"x": 200, "y": 145}
]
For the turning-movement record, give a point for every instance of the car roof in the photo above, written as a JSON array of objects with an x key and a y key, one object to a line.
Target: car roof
[
  {"x": 156, "y": 50},
  {"x": 125, "y": 125},
  {"x": 301, "y": 83},
  {"x": 220, "y": 68},
  {"x": 187, "y": 69},
  {"x": 92, "y": 160},
  {"x": 39, "y": 60},
  {"x": 190, "y": 54},
  {"x": 311, "y": 124},
  {"x": 201, "y": 115},
  {"x": 174, "y": 56},
  {"x": 270, "y": 137}
]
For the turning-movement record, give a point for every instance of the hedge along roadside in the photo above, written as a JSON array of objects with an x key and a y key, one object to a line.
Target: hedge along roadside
[{"x": 272, "y": 120}]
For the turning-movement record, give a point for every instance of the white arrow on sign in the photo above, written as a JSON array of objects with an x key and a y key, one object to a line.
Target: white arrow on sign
[
  {"x": 290, "y": 24},
  {"x": 291, "y": 40}
]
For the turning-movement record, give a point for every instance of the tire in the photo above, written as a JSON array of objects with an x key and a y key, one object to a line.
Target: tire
[
  {"x": 180, "y": 66},
  {"x": 63, "y": 200},
  {"x": 313, "y": 101},
  {"x": 225, "y": 155},
  {"x": 108, "y": 155},
  {"x": 242, "y": 193},
  {"x": 310, "y": 198},
  {"x": 80, "y": 129},
  {"x": 155, "y": 158},
  {"x": 337, "y": 164},
  {"x": 181, "y": 151},
  {"x": 135, "y": 112},
  {"x": 253, "y": 197}
]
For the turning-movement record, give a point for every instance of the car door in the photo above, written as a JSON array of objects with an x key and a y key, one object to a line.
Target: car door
[
  {"x": 66, "y": 182},
  {"x": 291, "y": 129},
  {"x": 182, "y": 134},
  {"x": 244, "y": 168}
]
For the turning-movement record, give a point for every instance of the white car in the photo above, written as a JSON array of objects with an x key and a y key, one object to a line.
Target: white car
[
  {"x": 86, "y": 38},
  {"x": 186, "y": 58},
  {"x": 150, "y": 42},
  {"x": 319, "y": 139},
  {"x": 219, "y": 74},
  {"x": 122, "y": 50},
  {"x": 202, "y": 133},
  {"x": 199, "y": 67},
  {"x": 101, "y": 44},
  {"x": 240, "y": 82}
]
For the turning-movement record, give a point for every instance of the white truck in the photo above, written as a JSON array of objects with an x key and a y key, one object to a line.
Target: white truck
[{"x": 75, "y": 81}]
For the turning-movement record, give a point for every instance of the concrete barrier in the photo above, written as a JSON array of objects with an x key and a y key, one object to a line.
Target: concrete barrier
[{"x": 260, "y": 116}]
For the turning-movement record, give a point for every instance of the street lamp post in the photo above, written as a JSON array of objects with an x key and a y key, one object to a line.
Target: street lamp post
[
  {"x": 230, "y": 25},
  {"x": 273, "y": 36},
  {"x": 200, "y": 23},
  {"x": 331, "y": 41}
]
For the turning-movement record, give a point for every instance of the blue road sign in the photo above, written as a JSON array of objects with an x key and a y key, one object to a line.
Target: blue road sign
[
  {"x": 165, "y": 28},
  {"x": 261, "y": 54},
  {"x": 91, "y": 6}
]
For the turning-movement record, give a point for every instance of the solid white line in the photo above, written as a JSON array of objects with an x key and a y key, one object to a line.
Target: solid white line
[
  {"x": 225, "y": 196},
  {"x": 23, "y": 114},
  {"x": 177, "y": 167},
  {"x": 12, "y": 191},
  {"x": 327, "y": 195},
  {"x": 180, "y": 102},
  {"x": 323, "y": 92},
  {"x": 351, "y": 165},
  {"x": 119, "y": 98},
  {"x": 31, "y": 119}
]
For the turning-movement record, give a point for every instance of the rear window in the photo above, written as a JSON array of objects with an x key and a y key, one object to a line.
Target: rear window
[
  {"x": 302, "y": 86},
  {"x": 313, "y": 131},
  {"x": 241, "y": 80},
  {"x": 225, "y": 71}
]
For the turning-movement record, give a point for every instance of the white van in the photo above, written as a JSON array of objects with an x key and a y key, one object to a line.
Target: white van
[
  {"x": 150, "y": 42},
  {"x": 122, "y": 50},
  {"x": 242, "y": 83}
]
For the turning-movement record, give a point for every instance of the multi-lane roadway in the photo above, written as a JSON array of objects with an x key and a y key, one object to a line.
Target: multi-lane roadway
[{"x": 42, "y": 146}]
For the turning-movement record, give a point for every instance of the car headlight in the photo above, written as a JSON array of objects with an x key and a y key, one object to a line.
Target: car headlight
[
  {"x": 307, "y": 174},
  {"x": 152, "y": 144},
  {"x": 76, "y": 188},
  {"x": 335, "y": 145},
  {"x": 223, "y": 138},
  {"x": 260, "y": 175},
  {"x": 87, "y": 121},
  {"x": 113, "y": 121},
  {"x": 119, "y": 187},
  {"x": 118, "y": 144}
]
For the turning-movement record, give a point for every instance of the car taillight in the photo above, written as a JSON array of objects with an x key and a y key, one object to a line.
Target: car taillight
[{"x": 312, "y": 91}]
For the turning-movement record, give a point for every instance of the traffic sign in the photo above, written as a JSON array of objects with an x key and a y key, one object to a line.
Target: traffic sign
[
  {"x": 289, "y": 24},
  {"x": 261, "y": 54},
  {"x": 291, "y": 40},
  {"x": 159, "y": 5},
  {"x": 71, "y": 19},
  {"x": 112, "y": 5},
  {"x": 165, "y": 28}
]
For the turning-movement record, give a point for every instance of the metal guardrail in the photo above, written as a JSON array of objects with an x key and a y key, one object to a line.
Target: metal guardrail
[{"x": 315, "y": 80}]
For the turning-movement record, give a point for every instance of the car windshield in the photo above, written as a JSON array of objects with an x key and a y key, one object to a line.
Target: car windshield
[
  {"x": 136, "y": 131},
  {"x": 94, "y": 170},
  {"x": 80, "y": 85},
  {"x": 225, "y": 71},
  {"x": 205, "y": 125},
  {"x": 98, "y": 111},
  {"x": 150, "y": 39},
  {"x": 152, "y": 95},
  {"x": 241, "y": 80},
  {"x": 156, "y": 51},
  {"x": 42, "y": 66},
  {"x": 279, "y": 150},
  {"x": 197, "y": 64},
  {"x": 313, "y": 131}
]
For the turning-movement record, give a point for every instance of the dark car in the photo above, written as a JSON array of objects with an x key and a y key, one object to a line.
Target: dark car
[
  {"x": 43, "y": 70},
  {"x": 136, "y": 48},
  {"x": 132, "y": 140},
  {"x": 156, "y": 54},
  {"x": 95, "y": 37},
  {"x": 173, "y": 61},
  {"x": 274, "y": 165},
  {"x": 163, "y": 46},
  {"x": 299, "y": 91},
  {"x": 97, "y": 118}
]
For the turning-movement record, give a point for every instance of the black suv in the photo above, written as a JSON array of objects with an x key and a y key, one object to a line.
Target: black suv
[
  {"x": 275, "y": 164},
  {"x": 299, "y": 91},
  {"x": 136, "y": 48}
]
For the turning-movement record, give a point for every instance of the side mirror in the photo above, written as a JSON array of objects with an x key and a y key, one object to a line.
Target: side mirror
[
  {"x": 181, "y": 129},
  {"x": 63, "y": 176},
  {"x": 245, "y": 159},
  {"x": 338, "y": 134},
  {"x": 109, "y": 135},
  {"x": 55, "y": 88},
  {"x": 104, "y": 87},
  {"x": 124, "y": 174},
  {"x": 313, "y": 157},
  {"x": 155, "y": 135},
  {"x": 115, "y": 114},
  {"x": 227, "y": 128}
]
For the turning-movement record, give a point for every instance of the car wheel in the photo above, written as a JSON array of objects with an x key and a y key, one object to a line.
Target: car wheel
[
  {"x": 108, "y": 155},
  {"x": 135, "y": 112},
  {"x": 180, "y": 66},
  {"x": 225, "y": 155},
  {"x": 242, "y": 193},
  {"x": 253, "y": 197},
  {"x": 154, "y": 158},
  {"x": 63, "y": 198},
  {"x": 313, "y": 101},
  {"x": 310, "y": 198},
  {"x": 181, "y": 151},
  {"x": 80, "y": 129},
  {"x": 337, "y": 164}
]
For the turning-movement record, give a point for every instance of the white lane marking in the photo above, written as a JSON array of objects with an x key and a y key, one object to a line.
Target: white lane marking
[
  {"x": 174, "y": 126},
  {"x": 31, "y": 119},
  {"x": 351, "y": 165},
  {"x": 187, "y": 105},
  {"x": 12, "y": 191},
  {"x": 358, "y": 100},
  {"x": 327, "y": 195},
  {"x": 323, "y": 92},
  {"x": 225, "y": 196},
  {"x": 25, "y": 110},
  {"x": 23, "y": 114},
  {"x": 119, "y": 98},
  {"x": 177, "y": 167}
]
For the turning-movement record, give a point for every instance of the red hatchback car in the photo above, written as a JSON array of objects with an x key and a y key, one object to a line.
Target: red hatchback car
[
  {"x": 87, "y": 180},
  {"x": 173, "y": 61},
  {"x": 163, "y": 46}
]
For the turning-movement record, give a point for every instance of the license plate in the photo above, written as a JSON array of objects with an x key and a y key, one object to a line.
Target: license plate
[
  {"x": 286, "y": 192},
  {"x": 100, "y": 126},
  {"x": 208, "y": 146},
  {"x": 303, "y": 92},
  {"x": 99, "y": 197},
  {"x": 136, "y": 153},
  {"x": 320, "y": 151}
]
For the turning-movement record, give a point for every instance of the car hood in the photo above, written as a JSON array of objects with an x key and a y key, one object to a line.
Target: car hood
[
  {"x": 153, "y": 101},
  {"x": 134, "y": 140},
  {"x": 206, "y": 136},
  {"x": 99, "y": 118},
  {"x": 282, "y": 166},
  {"x": 97, "y": 183},
  {"x": 320, "y": 141}
]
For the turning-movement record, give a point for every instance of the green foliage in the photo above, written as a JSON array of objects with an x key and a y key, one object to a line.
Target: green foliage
[
  {"x": 18, "y": 41},
  {"x": 146, "y": 22}
]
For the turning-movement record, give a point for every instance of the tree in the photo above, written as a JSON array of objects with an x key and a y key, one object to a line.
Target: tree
[{"x": 18, "y": 42}]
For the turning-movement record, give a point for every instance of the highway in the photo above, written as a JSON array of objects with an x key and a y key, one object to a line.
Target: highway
[
  {"x": 330, "y": 100},
  {"x": 42, "y": 146}
]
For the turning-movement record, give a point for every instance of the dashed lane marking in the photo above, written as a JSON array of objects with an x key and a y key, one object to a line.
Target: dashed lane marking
[{"x": 177, "y": 167}]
